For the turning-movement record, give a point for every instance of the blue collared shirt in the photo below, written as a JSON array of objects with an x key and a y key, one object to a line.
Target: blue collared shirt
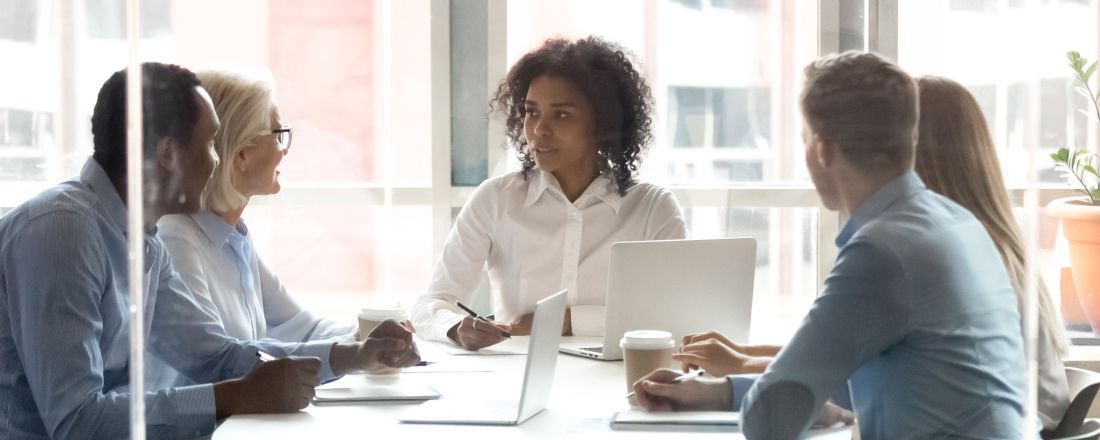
[
  {"x": 64, "y": 323},
  {"x": 918, "y": 316}
]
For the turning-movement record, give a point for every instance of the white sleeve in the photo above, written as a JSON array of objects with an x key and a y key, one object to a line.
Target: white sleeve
[
  {"x": 666, "y": 220},
  {"x": 458, "y": 272}
]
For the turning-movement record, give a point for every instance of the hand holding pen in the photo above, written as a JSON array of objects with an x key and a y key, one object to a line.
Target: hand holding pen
[
  {"x": 475, "y": 332},
  {"x": 668, "y": 390},
  {"x": 678, "y": 379}
]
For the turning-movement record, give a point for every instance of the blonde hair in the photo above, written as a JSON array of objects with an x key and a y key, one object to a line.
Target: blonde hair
[
  {"x": 245, "y": 103},
  {"x": 865, "y": 105},
  {"x": 956, "y": 158}
]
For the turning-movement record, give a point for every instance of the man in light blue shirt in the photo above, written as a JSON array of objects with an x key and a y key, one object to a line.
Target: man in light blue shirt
[
  {"x": 64, "y": 303},
  {"x": 917, "y": 324}
]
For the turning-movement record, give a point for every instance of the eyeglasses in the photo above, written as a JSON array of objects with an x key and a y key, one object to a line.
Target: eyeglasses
[{"x": 284, "y": 135}]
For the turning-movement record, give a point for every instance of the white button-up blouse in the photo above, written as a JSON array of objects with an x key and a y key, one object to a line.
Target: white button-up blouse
[{"x": 535, "y": 242}]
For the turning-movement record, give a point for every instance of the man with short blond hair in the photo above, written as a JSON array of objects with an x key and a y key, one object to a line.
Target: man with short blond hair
[{"x": 917, "y": 324}]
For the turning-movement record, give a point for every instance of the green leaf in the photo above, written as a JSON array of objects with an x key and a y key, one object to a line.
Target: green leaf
[
  {"x": 1090, "y": 71},
  {"x": 1062, "y": 155},
  {"x": 1090, "y": 169},
  {"x": 1095, "y": 195},
  {"x": 1075, "y": 61}
]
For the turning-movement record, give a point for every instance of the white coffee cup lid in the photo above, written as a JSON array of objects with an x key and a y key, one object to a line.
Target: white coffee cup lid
[
  {"x": 382, "y": 312},
  {"x": 647, "y": 339}
]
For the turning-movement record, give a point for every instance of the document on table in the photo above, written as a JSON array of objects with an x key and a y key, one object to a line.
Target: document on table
[
  {"x": 639, "y": 419},
  {"x": 367, "y": 393},
  {"x": 515, "y": 345},
  {"x": 449, "y": 366}
]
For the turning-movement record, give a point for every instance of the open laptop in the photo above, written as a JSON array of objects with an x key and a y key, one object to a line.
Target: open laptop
[
  {"x": 538, "y": 376},
  {"x": 680, "y": 286}
]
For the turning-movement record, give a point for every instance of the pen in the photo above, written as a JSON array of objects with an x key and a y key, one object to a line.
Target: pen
[
  {"x": 472, "y": 314},
  {"x": 681, "y": 378},
  {"x": 264, "y": 357}
]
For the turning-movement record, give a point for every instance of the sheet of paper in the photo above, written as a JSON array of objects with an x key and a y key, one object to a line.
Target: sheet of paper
[
  {"x": 515, "y": 345},
  {"x": 448, "y": 366},
  {"x": 677, "y": 418},
  {"x": 363, "y": 393}
]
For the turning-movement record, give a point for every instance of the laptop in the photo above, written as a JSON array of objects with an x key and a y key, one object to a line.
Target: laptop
[
  {"x": 680, "y": 286},
  {"x": 538, "y": 376}
]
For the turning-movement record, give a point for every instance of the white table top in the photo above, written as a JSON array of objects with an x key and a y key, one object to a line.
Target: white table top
[{"x": 586, "y": 394}]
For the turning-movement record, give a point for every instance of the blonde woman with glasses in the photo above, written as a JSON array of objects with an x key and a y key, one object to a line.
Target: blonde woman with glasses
[{"x": 212, "y": 249}]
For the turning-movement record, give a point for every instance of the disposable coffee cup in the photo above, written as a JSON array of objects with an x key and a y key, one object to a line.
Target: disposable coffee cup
[
  {"x": 371, "y": 316},
  {"x": 645, "y": 351}
]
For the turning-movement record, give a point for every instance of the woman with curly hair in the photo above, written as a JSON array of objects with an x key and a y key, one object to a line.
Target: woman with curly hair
[{"x": 578, "y": 114}]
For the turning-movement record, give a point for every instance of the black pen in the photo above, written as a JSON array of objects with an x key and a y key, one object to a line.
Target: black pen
[{"x": 473, "y": 314}]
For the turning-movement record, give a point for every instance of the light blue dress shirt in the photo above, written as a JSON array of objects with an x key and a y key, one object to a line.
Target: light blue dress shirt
[
  {"x": 919, "y": 318},
  {"x": 227, "y": 278},
  {"x": 64, "y": 323}
]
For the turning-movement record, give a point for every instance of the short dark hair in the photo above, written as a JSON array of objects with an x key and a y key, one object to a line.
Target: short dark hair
[
  {"x": 169, "y": 110},
  {"x": 603, "y": 72},
  {"x": 865, "y": 105}
]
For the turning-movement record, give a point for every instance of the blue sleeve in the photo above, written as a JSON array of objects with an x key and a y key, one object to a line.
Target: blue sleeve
[
  {"x": 741, "y": 383},
  {"x": 192, "y": 340},
  {"x": 55, "y": 289},
  {"x": 861, "y": 312}
]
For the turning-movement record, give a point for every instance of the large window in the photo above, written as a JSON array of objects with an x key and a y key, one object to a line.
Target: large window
[
  {"x": 369, "y": 191},
  {"x": 725, "y": 76},
  {"x": 1021, "y": 80}
]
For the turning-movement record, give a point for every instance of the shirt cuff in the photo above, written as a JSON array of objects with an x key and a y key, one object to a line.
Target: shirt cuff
[
  {"x": 323, "y": 351},
  {"x": 587, "y": 320},
  {"x": 195, "y": 410},
  {"x": 741, "y": 384},
  {"x": 443, "y": 321}
]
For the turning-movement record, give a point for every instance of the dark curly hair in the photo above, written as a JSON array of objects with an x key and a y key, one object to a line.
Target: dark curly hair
[{"x": 603, "y": 72}]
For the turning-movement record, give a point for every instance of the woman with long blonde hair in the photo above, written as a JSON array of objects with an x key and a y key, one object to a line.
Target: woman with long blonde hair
[{"x": 956, "y": 157}]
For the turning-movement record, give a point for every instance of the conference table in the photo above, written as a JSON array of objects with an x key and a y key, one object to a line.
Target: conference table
[{"x": 586, "y": 394}]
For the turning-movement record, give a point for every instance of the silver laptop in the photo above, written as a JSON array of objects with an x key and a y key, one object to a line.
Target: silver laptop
[
  {"x": 680, "y": 286},
  {"x": 538, "y": 376}
]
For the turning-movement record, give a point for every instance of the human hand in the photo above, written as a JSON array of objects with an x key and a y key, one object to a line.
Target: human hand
[
  {"x": 389, "y": 346},
  {"x": 657, "y": 392},
  {"x": 832, "y": 414},
  {"x": 715, "y": 358},
  {"x": 710, "y": 335},
  {"x": 522, "y": 326},
  {"x": 279, "y": 386},
  {"x": 475, "y": 334}
]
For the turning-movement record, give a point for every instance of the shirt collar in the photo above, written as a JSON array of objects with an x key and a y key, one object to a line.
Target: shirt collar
[
  {"x": 898, "y": 188},
  {"x": 600, "y": 188},
  {"x": 93, "y": 175},
  {"x": 215, "y": 227}
]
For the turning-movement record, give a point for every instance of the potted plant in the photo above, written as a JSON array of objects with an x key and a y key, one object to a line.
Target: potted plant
[{"x": 1080, "y": 216}]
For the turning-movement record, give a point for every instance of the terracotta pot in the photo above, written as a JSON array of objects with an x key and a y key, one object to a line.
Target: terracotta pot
[{"x": 1081, "y": 226}]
